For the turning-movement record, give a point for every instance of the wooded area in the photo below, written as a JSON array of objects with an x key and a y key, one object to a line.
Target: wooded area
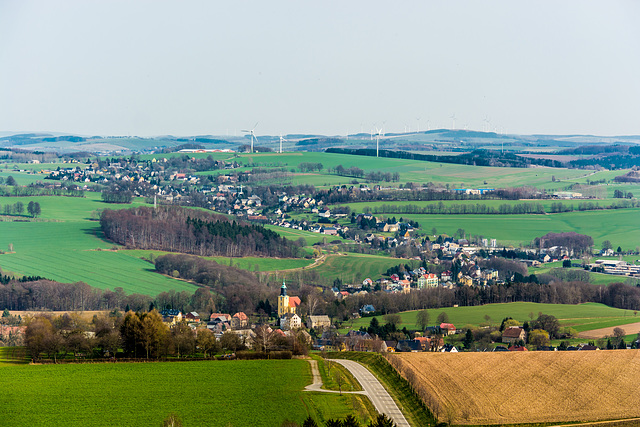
[{"x": 176, "y": 229}]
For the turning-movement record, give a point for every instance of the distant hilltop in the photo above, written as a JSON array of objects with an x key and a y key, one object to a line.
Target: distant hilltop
[{"x": 459, "y": 141}]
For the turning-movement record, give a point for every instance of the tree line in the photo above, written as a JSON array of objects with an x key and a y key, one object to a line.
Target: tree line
[
  {"x": 176, "y": 229},
  {"x": 453, "y": 209},
  {"x": 144, "y": 335},
  {"x": 36, "y": 190},
  {"x": 17, "y": 208},
  {"x": 474, "y": 158}
]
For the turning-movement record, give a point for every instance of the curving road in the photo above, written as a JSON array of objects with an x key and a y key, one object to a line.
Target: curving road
[{"x": 381, "y": 400}]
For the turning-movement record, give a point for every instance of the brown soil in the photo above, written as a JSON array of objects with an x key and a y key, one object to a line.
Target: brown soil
[{"x": 630, "y": 329}]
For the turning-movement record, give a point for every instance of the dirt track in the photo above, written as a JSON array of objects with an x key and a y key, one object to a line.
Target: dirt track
[{"x": 630, "y": 329}]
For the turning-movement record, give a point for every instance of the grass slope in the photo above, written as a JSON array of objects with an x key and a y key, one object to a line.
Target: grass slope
[
  {"x": 64, "y": 249},
  {"x": 354, "y": 268},
  {"x": 582, "y": 317},
  {"x": 617, "y": 226},
  {"x": 238, "y": 393},
  {"x": 246, "y": 263}
]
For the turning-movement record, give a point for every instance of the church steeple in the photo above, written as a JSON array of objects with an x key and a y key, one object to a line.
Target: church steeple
[{"x": 283, "y": 289}]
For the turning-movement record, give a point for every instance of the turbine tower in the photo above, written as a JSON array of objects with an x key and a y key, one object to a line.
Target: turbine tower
[
  {"x": 281, "y": 139},
  {"x": 453, "y": 118},
  {"x": 378, "y": 133},
  {"x": 252, "y": 133}
]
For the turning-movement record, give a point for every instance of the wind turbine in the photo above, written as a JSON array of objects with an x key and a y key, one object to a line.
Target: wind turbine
[
  {"x": 418, "y": 119},
  {"x": 252, "y": 133},
  {"x": 281, "y": 139},
  {"x": 453, "y": 118},
  {"x": 378, "y": 133}
]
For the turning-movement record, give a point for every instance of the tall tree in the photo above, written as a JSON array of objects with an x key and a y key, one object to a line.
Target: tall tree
[
  {"x": 153, "y": 332},
  {"x": 422, "y": 319}
]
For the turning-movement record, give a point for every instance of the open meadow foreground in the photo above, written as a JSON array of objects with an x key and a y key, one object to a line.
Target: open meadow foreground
[
  {"x": 214, "y": 393},
  {"x": 533, "y": 387}
]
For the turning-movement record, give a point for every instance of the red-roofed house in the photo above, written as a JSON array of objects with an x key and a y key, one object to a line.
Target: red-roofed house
[
  {"x": 192, "y": 317},
  {"x": 517, "y": 348},
  {"x": 239, "y": 320},
  {"x": 447, "y": 329},
  {"x": 513, "y": 334},
  {"x": 428, "y": 280},
  {"x": 425, "y": 343}
]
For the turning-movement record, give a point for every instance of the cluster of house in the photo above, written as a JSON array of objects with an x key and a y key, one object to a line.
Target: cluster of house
[
  {"x": 240, "y": 324},
  {"x": 420, "y": 278},
  {"x": 618, "y": 267}
]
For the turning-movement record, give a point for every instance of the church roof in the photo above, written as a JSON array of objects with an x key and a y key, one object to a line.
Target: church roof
[{"x": 294, "y": 302}]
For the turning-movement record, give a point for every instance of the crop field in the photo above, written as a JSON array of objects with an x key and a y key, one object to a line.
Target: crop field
[
  {"x": 68, "y": 248},
  {"x": 525, "y": 387},
  {"x": 617, "y": 226},
  {"x": 582, "y": 317},
  {"x": 215, "y": 393}
]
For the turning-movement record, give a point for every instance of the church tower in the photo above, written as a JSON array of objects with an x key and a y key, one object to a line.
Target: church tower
[{"x": 283, "y": 301}]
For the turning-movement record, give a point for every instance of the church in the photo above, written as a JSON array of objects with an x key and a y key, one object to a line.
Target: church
[{"x": 287, "y": 304}]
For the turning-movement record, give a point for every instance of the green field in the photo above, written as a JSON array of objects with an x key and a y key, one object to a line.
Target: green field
[
  {"x": 246, "y": 263},
  {"x": 215, "y": 393},
  {"x": 66, "y": 248},
  {"x": 546, "y": 203},
  {"x": 409, "y": 170},
  {"x": 582, "y": 317},
  {"x": 594, "y": 278},
  {"x": 354, "y": 268},
  {"x": 309, "y": 237},
  {"x": 618, "y": 226}
]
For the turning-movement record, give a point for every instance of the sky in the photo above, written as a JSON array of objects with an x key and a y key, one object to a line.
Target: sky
[{"x": 151, "y": 68}]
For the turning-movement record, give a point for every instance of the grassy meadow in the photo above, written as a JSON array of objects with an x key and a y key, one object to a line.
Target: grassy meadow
[
  {"x": 618, "y": 226},
  {"x": 581, "y": 317},
  {"x": 409, "y": 170},
  {"x": 65, "y": 244},
  {"x": 354, "y": 268},
  {"x": 246, "y": 263},
  {"x": 214, "y": 393}
]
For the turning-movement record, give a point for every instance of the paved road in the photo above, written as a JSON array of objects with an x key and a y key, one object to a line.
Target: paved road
[
  {"x": 381, "y": 400},
  {"x": 317, "y": 382}
]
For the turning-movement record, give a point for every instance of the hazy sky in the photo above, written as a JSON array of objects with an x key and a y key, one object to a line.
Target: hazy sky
[{"x": 209, "y": 67}]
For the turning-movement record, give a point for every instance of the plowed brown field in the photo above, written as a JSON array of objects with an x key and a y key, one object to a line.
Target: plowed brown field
[
  {"x": 629, "y": 329},
  {"x": 532, "y": 387}
]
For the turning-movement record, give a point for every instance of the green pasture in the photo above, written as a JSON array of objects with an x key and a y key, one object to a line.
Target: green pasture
[
  {"x": 354, "y": 268},
  {"x": 309, "y": 237},
  {"x": 359, "y": 207},
  {"x": 618, "y": 226},
  {"x": 13, "y": 355},
  {"x": 22, "y": 178},
  {"x": 594, "y": 278},
  {"x": 68, "y": 247},
  {"x": 246, "y": 263},
  {"x": 68, "y": 252},
  {"x": 409, "y": 170},
  {"x": 582, "y": 317},
  {"x": 214, "y": 393}
]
